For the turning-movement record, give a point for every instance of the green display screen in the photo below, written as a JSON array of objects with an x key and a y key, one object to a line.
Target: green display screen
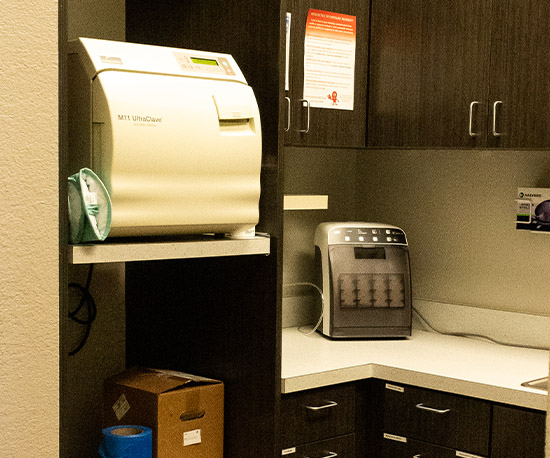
[{"x": 200, "y": 60}]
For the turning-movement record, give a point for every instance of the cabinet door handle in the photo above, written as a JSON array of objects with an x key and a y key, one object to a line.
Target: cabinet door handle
[
  {"x": 287, "y": 114},
  {"x": 471, "y": 121},
  {"x": 328, "y": 455},
  {"x": 495, "y": 105},
  {"x": 328, "y": 405},
  {"x": 431, "y": 409},
  {"x": 417, "y": 456},
  {"x": 306, "y": 130}
]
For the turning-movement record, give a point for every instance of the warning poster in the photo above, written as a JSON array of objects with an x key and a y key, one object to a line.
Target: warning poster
[{"x": 329, "y": 60}]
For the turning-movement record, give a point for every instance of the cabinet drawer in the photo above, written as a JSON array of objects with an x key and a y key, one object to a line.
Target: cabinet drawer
[
  {"x": 401, "y": 447},
  {"x": 517, "y": 432},
  {"x": 317, "y": 414},
  {"x": 440, "y": 418},
  {"x": 336, "y": 447}
]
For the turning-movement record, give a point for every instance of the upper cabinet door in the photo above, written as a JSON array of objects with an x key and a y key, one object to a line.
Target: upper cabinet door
[
  {"x": 429, "y": 66},
  {"x": 519, "y": 99},
  {"x": 327, "y": 94}
]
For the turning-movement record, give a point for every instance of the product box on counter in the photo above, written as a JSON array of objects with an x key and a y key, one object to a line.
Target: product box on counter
[
  {"x": 533, "y": 209},
  {"x": 184, "y": 411}
]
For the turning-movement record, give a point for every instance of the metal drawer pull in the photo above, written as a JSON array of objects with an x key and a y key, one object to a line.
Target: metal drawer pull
[
  {"x": 495, "y": 133},
  {"x": 306, "y": 130},
  {"x": 470, "y": 124},
  {"x": 328, "y": 405},
  {"x": 330, "y": 455},
  {"x": 431, "y": 409},
  {"x": 288, "y": 114}
]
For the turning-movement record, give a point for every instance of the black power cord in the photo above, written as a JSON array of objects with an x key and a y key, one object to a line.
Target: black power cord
[{"x": 86, "y": 300}]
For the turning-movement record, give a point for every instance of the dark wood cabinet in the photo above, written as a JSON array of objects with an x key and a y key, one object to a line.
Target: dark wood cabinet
[
  {"x": 520, "y": 65},
  {"x": 319, "y": 422},
  {"x": 442, "y": 419},
  {"x": 402, "y": 447},
  {"x": 459, "y": 74},
  {"x": 221, "y": 317},
  {"x": 517, "y": 433},
  {"x": 435, "y": 424},
  {"x": 308, "y": 125},
  {"x": 335, "y": 447},
  {"x": 313, "y": 415},
  {"x": 428, "y": 63}
]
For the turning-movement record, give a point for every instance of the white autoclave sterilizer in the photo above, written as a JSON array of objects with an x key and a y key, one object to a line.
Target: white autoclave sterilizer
[{"x": 174, "y": 135}]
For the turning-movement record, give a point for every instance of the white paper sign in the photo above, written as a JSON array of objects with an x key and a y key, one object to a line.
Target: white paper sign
[
  {"x": 191, "y": 437},
  {"x": 329, "y": 60}
]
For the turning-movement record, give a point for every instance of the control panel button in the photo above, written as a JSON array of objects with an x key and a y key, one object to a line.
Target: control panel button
[{"x": 367, "y": 236}]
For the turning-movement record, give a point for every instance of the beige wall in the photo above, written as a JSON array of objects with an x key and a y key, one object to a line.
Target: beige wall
[
  {"x": 29, "y": 251},
  {"x": 457, "y": 208}
]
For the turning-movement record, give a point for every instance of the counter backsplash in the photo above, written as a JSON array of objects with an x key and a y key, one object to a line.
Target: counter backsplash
[{"x": 507, "y": 327}]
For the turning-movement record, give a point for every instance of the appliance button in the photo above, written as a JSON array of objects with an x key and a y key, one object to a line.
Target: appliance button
[
  {"x": 346, "y": 238},
  {"x": 388, "y": 231},
  {"x": 388, "y": 239},
  {"x": 361, "y": 238},
  {"x": 375, "y": 239}
]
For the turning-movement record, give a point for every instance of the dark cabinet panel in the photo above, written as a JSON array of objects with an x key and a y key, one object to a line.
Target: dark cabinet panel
[
  {"x": 459, "y": 74},
  {"x": 326, "y": 126},
  {"x": 517, "y": 433},
  {"x": 428, "y": 73},
  {"x": 316, "y": 414},
  {"x": 401, "y": 447},
  {"x": 213, "y": 317},
  {"x": 220, "y": 316},
  {"x": 444, "y": 419},
  {"x": 336, "y": 447},
  {"x": 520, "y": 65}
]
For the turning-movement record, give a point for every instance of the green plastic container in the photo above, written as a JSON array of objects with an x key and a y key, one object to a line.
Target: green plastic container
[{"x": 89, "y": 208}]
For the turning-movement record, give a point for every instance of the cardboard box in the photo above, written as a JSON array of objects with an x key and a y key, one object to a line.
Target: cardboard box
[{"x": 184, "y": 411}]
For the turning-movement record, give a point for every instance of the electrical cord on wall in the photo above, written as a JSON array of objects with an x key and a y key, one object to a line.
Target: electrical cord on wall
[
  {"x": 91, "y": 309},
  {"x": 472, "y": 335},
  {"x": 320, "y": 320}
]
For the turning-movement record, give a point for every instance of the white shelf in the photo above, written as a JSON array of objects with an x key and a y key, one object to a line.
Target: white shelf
[
  {"x": 197, "y": 247},
  {"x": 305, "y": 202}
]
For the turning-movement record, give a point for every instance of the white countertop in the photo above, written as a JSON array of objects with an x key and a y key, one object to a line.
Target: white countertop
[{"x": 453, "y": 364}]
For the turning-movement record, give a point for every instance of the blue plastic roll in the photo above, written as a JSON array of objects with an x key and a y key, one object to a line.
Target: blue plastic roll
[{"x": 127, "y": 441}]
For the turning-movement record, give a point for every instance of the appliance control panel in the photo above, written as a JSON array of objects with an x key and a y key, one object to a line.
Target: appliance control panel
[
  {"x": 367, "y": 235},
  {"x": 197, "y": 63}
]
